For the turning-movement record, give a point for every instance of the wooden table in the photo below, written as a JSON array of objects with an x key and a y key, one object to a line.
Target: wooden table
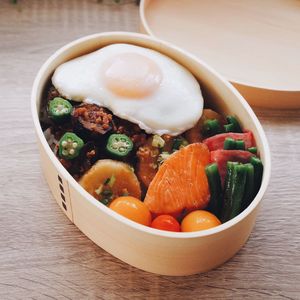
[{"x": 44, "y": 256}]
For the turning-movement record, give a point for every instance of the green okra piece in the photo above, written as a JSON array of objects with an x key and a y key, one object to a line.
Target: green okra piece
[
  {"x": 70, "y": 146},
  {"x": 119, "y": 145},
  {"x": 59, "y": 109}
]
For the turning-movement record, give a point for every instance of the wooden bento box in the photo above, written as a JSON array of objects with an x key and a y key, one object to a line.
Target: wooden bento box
[{"x": 166, "y": 253}]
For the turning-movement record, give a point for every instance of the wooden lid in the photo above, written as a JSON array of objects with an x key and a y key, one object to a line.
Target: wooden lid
[{"x": 255, "y": 44}]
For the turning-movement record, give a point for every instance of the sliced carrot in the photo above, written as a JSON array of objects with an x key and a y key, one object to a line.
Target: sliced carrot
[{"x": 180, "y": 183}]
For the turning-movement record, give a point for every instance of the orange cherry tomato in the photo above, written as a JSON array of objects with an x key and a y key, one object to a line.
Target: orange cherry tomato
[
  {"x": 166, "y": 222},
  {"x": 132, "y": 208},
  {"x": 199, "y": 220}
]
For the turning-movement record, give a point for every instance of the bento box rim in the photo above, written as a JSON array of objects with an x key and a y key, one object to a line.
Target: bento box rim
[{"x": 97, "y": 204}]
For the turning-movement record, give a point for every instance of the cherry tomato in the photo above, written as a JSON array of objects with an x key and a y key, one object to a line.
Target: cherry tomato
[
  {"x": 166, "y": 222},
  {"x": 199, "y": 220},
  {"x": 132, "y": 208}
]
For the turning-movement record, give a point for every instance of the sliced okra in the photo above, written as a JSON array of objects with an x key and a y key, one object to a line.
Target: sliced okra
[
  {"x": 59, "y": 109},
  {"x": 119, "y": 145},
  {"x": 70, "y": 145}
]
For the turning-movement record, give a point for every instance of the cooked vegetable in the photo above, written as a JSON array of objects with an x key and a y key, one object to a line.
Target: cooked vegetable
[
  {"x": 109, "y": 179},
  {"x": 234, "y": 190},
  {"x": 258, "y": 173},
  {"x": 239, "y": 145},
  {"x": 162, "y": 157},
  {"x": 211, "y": 127},
  {"x": 133, "y": 209},
  {"x": 104, "y": 191},
  {"x": 158, "y": 141},
  {"x": 180, "y": 182},
  {"x": 252, "y": 150},
  {"x": 249, "y": 186},
  {"x": 214, "y": 181},
  {"x": 70, "y": 145},
  {"x": 229, "y": 144},
  {"x": 59, "y": 109},
  {"x": 217, "y": 141},
  {"x": 119, "y": 145},
  {"x": 199, "y": 220},
  {"x": 233, "y": 125},
  {"x": 174, "y": 171},
  {"x": 221, "y": 157},
  {"x": 178, "y": 143},
  {"x": 166, "y": 222},
  {"x": 194, "y": 135},
  {"x": 91, "y": 121}
]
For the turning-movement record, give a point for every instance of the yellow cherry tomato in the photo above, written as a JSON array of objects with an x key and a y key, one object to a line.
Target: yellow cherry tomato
[
  {"x": 132, "y": 208},
  {"x": 199, "y": 220}
]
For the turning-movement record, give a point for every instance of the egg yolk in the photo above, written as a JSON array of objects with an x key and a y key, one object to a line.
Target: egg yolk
[{"x": 131, "y": 75}]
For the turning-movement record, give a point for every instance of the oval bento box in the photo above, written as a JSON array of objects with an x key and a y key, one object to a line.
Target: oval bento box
[{"x": 162, "y": 252}]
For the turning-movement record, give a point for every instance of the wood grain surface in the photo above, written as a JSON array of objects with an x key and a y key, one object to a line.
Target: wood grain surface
[{"x": 44, "y": 256}]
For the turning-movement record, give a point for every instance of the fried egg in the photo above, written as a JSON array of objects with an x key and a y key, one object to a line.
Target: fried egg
[{"x": 137, "y": 84}]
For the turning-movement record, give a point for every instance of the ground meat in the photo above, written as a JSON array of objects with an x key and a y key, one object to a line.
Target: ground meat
[
  {"x": 66, "y": 163},
  {"x": 137, "y": 135},
  {"x": 91, "y": 121},
  {"x": 89, "y": 154},
  {"x": 147, "y": 165},
  {"x": 94, "y": 124},
  {"x": 126, "y": 127},
  {"x": 138, "y": 139},
  {"x": 52, "y": 93},
  {"x": 169, "y": 140}
]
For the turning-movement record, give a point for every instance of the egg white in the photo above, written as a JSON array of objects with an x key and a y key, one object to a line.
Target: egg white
[{"x": 173, "y": 108}]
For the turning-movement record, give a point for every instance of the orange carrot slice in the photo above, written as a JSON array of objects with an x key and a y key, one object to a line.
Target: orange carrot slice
[{"x": 180, "y": 183}]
